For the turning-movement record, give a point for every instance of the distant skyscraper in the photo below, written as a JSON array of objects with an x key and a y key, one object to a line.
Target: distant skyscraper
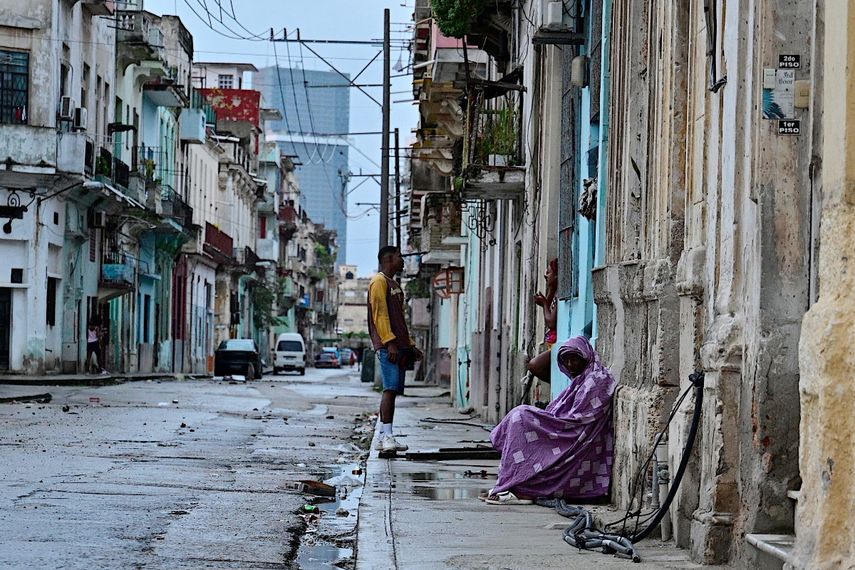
[{"x": 313, "y": 109}]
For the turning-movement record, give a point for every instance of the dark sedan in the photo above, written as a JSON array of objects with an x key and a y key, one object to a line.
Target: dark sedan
[
  {"x": 238, "y": 357},
  {"x": 327, "y": 360}
]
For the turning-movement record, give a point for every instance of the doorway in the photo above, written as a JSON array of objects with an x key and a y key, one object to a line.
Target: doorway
[{"x": 5, "y": 328}]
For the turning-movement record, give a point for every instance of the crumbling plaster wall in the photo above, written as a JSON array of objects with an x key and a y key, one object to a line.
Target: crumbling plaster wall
[
  {"x": 706, "y": 266},
  {"x": 824, "y": 532}
]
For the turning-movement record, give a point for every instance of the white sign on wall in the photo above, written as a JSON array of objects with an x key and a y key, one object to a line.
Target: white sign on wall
[{"x": 779, "y": 93}]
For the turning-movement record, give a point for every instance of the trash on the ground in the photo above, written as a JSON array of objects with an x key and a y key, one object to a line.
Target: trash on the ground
[
  {"x": 344, "y": 481},
  {"x": 342, "y": 512},
  {"x": 311, "y": 444},
  {"x": 357, "y": 471},
  {"x": 94, "y": 400},
  {"x": 311, "y": 518},
  {"x": 301, "y": 465},
  {"x": 174, "y": 401},
  {"x": 37, "y": 398},
  {"x": 162, "y": 404},
  {"x": 330, "y": 417},
  {"x": 235, "y": 378},
  {"x": 476, "y": 474},
  {"x": 307, "y": 508},
  {"x": 184, "y": 425},
  {"x": 65, "y": 408},
  {"x": 311, "y": 487}
]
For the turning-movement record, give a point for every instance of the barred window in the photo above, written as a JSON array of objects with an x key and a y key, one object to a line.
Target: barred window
[
  {"x": 14, "y": 87},
  {"x": 225, "y": 81}
]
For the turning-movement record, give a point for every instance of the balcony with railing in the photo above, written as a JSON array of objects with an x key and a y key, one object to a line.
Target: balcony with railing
[
  {"x": 99, "y": 7},
  {"x": 152, "y": 164},
  {"x": 118, "y": 273},
  {"x": 138, "y": 37},
  {"x": 493, "y": 164},
  {"x": 218, "y": 244},
  {"x": 175, "y": 207},
  {"x": 246, "y": 256}
]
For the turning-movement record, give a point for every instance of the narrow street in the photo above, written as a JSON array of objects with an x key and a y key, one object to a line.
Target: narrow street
[{"x": 180, "y": 474}]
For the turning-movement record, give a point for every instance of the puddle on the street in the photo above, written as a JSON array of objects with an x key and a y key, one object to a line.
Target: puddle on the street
[
  {"x": 328, "y": 543},
  {"x": 447, "y": 493},
  {"x": 447, "y": 485},
  {"x": 419, "y": 476}
]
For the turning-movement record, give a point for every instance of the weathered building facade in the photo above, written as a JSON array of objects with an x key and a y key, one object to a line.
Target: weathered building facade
[
  {"x": 687, "y": 163},
  {"x": 130, "y": 199}
]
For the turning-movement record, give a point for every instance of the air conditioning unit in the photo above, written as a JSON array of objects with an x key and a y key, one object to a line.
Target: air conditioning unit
[
  {"x": 66, "y": 108},
  {"x": 81, "y": 119},
  {"x": 552, "y": 15},
  {"x": 99, "y": 219}
]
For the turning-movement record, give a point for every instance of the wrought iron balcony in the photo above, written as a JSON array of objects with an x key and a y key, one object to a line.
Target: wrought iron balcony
[
  {"x": 118, "y": 271},
  {"x": 492, "y": 166},
  {"x": 175, "y": 207}
]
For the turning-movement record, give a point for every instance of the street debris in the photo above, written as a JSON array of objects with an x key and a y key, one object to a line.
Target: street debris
[
  {"x": 37, "y": 398},
  {"x": 344, "y": 481},
  {"x": 342, "y": 512},
  {"x": 311, "y": 487}
]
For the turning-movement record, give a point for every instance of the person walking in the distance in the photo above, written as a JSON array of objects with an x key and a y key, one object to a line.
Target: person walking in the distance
[{"x": 391, "y": 339}]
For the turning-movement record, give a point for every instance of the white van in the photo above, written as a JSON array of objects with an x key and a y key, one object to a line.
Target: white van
[{"x": 289, "y": 353}]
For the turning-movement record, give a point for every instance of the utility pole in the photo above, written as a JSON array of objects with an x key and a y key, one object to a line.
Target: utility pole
[
  {"x": 397, "y": 193},
  {"x": 387, "y": 108}
]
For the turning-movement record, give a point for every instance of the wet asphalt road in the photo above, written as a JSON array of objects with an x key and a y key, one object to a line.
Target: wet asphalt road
[{"x": 180, "y": 474}]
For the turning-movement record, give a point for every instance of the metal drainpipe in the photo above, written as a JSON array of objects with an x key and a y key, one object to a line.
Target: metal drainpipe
[
  {"x": 661, "y": 478},
  {"x": 500, "y": 306}
]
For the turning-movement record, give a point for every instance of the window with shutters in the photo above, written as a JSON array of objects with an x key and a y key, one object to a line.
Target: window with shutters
[
  {"x": 14, "y": 87},
  {"x": 568, "y": 242}
]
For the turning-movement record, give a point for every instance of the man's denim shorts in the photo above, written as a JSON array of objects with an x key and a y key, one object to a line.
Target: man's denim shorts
[{"x": 393, "y": 376}]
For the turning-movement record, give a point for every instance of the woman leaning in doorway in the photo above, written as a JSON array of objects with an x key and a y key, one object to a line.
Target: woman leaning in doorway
[{"x": 93, "y": 347}]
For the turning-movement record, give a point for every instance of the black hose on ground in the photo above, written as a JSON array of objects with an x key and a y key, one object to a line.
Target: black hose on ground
[
  {"x": 697, "y": 379},
  {"x": 584, "y": 534}
]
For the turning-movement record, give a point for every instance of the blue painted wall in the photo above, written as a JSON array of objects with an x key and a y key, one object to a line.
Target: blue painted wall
[{"x": 578, "y": 315}]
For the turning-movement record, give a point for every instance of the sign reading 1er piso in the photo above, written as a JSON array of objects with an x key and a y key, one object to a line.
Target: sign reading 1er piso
[{"x": 779, "y": 94}]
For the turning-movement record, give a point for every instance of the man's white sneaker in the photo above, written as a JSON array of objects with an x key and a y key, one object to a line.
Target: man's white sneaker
[
  {"x": 379, "y": 444},
  {"x": 389, "y": 444}
]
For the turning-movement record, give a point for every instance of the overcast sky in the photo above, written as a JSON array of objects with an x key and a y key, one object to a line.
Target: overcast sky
[{"x": 319, "y": 19}]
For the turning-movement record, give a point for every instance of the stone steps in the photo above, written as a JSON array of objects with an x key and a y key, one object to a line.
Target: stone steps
[{"x": 774, "y": 549}]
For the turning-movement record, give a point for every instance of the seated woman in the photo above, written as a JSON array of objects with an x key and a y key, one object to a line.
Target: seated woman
[{"x": 564, "y": 451}]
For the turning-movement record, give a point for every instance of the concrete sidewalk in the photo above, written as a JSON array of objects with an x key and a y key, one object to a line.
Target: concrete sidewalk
[
  {"x": 420, "y": 515},
  {"x": 92, "y": 379}
]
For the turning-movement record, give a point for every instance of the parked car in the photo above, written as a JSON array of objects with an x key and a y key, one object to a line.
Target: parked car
[
  {"x": 289, "y": 353},
  {"x": 239, "y": 357},
  {"x": 331, "y": 350},
  {"x": 345, "y": 357},
  {"x": 327, "y": 360}
]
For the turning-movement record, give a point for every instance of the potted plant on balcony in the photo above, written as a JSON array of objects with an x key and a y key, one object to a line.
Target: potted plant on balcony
[
  {"x": 498, "y": 138},
  {"x": 456, "y": 17},
  {"x": 102, "y": 166}
]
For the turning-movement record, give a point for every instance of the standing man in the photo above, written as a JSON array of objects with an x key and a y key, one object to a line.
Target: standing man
[{"x": 391, "y": 339}]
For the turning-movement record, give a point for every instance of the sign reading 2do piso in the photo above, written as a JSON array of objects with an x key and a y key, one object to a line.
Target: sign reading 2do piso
[{"x": 789, "y": 61}]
